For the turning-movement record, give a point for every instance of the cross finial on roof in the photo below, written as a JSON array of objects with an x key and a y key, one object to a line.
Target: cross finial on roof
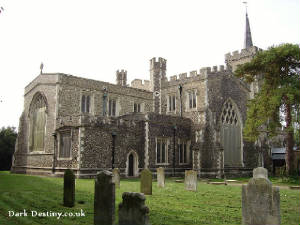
[{"x": 41, "y": 67}]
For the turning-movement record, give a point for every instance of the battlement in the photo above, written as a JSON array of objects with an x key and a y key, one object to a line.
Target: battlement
[
  {"x": 122, "y": 71},
  {"x": 138, "y": 83},
  {"x": 159, "y": 62},
  {"x": 244, "y": 53},
  {"x": 203, "y": 72},
  {"x": 236, "y": 58}
]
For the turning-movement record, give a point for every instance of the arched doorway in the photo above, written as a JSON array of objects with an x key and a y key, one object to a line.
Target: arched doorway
[
  {"x": 132, "y": 163},
  {"x": 231, "y": 134}
]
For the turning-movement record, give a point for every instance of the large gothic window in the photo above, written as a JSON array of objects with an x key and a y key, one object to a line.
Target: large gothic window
[
  {"x": 231, "y": 134},
  {"x": 37, "y": 117}
]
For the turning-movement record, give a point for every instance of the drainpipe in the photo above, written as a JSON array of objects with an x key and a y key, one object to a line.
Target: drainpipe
[
  {"x": 113, "y": 134},
  {"x": 54, "y": 152},
  {"x": 180, "y": 94}
]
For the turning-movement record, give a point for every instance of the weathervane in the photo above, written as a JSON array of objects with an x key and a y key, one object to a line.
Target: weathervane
[
  {"x": 245, "y": 5},
  {"x": 42, "y": 67}
]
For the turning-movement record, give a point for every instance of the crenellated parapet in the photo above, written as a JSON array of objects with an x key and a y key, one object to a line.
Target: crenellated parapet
[
  {"x": 197, "y": 74},
  {"x": 158, "y": 63},
  {"x": 236, "y": 58},
  {"x": 141, "y": 84}
]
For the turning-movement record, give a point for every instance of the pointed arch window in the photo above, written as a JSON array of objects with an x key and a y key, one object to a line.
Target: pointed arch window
[
  {"x": 231, "y": 134},
  {"x": 37, "y": 116},
  {"x": 229, "y": 114}
]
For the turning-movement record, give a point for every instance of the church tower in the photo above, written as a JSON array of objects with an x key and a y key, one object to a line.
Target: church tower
[
  {"x": 236, "y": 58},
  {"x": 157, "y": 76},
  {"x": 246, "y": 54}
]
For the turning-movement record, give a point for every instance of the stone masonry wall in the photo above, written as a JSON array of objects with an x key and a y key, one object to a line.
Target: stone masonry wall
[
  {"x": 96, "y": 140},
  {"x": 74, "y": 161},
  {"x": 96, "y": 143},
  {"x": 46, "y": 84},
  {"x": 72, "y": 88},
  {"x": 221, "y": 88},
  {"x": 161, "y": 126}
]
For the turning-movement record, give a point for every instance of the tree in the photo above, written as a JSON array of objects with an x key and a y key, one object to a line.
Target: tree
[
  {"x": 278, "y": 99},
  {"x": 7, "y": 146}
]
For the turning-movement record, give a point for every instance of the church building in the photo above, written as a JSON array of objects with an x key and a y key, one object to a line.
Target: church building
[{"x": 187, "y": 121}]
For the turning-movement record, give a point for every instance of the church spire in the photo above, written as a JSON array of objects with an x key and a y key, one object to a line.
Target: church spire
[{"x": 248, "y": 39}]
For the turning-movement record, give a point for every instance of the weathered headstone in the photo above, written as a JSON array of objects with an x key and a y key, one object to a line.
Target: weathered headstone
[
  {"x": 116, "y": 177},
  {"x": 104, "y": 201},
  {"x": 132, "y": 211},
  {"x": 260, "y": 172},
  {"x": 160, "y": 177},
  {"x": 146, "y": 182},
  {"x": 190, "y": 180},
  {"x": 260, "y": 201},
  {"x": 69, "y": 188}
]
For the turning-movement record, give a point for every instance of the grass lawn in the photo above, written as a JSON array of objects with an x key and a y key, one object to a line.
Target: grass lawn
[{"x": 211, "y": 204}]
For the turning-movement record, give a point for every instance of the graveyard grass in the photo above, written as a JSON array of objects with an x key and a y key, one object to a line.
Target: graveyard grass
[{"x": 211, "y": 204}]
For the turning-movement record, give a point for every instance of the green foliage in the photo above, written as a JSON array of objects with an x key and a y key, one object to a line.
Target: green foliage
[
  {"x": 8, "y": 137},
  {"x": 172, "y": 205},
  {"x": 280, "y": 69}
]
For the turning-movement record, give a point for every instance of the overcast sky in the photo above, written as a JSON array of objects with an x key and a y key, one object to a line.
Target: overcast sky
[{"x": 93, "y": 39}]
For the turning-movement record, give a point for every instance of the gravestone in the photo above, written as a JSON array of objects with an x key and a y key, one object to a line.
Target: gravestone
[
  {"x": 132, "y": 211},
  {"x": 116, "y": 177},
  {"x": 69, "y": 188},
  {"x": 260, "y": 201},
  {"x": 104, "y": 200},
  {"x": 190, "y": 180},
  {"x": 146, "y": 182},
  {"x": 160, "y": 177},
  {"x": 260, "y": 172}
]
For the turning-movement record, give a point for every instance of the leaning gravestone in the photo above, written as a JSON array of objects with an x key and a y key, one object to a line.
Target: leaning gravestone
[
  {"x": 104, "y": 201},
  {"x": 116, "y": 177},
  {"x": 260, "y": 201},
  {"x": 146, "y": 182},
  {"x": 160, "y": 177},
  {"x": 69, "y": 188},
  {"x": 132, "y": 211},
  {"x": 190, "y": 180}
]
